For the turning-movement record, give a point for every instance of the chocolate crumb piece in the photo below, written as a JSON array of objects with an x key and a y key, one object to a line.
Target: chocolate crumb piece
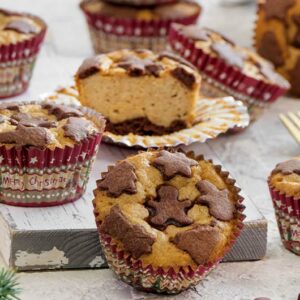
[
  {"x": 135, "y": 239},
  {"x": 120, "y": 179},
  {"x": 172, "y": 164},
  {"x": 169, "y": 209},
  {"x": 185, "y": 76},
  {"x": 177, "y": 58},
  {"x": 62, "y": 111},
  {"x": 77, "y": 128},
  {"x": 288, "y": 167},
  {"x": 218, "y": 202},
  {"x": 136, "y": 66},
  {"x": 270, "y": 49},
  {"x": 229, "y": 54},
  {"x": 278, "y": 9},
  {"x": 89, "y": 67},
  {"x": 10, "y": 106},
  {"x": 21, "y": 26},
  {"x": 142, "y": 126},
  {"x": 199, "y": 242},
  {"x": 29, "y": 121},
  {"x": 26, "y": 136}
]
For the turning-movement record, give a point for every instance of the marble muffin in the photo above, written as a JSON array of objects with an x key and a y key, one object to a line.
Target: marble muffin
[
  {"x": 46, "y": 152},
  {"x": 227, "y": 68},
  {"x": 284, "y": 184},
  {"x": 277, "y": 37},
  {"x": 118, "y": 26},
  {"x": 140, "y": 92},
  {"x": 21, "y": 35},
  {"x": 161, "y": 202}
]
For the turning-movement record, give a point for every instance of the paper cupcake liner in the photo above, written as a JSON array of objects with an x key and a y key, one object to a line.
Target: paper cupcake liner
[
  {"x": 287, "y": 211},
  {"x": 165, "y": 280},
  {"x": 17, "y": 63},
  {"x": 210, "y": 89},
  {"x": 105, "y": 42},
  {"x": 102, "y": 27},
  {"x": 213, "y": 117},
  {"x": 141, "y": 2},
  {"x": 224, "y": 76},
  {"x": 30, "y": 176}
]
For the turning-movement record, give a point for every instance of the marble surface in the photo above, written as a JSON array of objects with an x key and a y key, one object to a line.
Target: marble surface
[{"x": 249, "y": 156}]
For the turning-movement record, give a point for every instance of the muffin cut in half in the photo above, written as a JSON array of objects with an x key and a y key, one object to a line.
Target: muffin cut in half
[
  {"x": 140, "y": 92},
  {"x": 160, "y": 202}
]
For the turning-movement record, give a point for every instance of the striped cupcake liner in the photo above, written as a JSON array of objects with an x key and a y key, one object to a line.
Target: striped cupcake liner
[
  {"x": 149, "y": 278},
  {"x": 287, "y": 211}
]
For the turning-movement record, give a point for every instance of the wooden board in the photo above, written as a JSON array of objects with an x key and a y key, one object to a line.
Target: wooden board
[{"x": 65, "y": 237}]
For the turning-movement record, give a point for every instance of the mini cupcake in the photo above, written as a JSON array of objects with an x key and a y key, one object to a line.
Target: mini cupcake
[
  {"x": 277, "y": 37},
  {"x": 160, "y": 202},
  {"x": 46, "y": 152},
  {"x": 21, "y": 36},
  {"x": 284, "y": 184},
  {"x": 227, "y": 68},
  {"x": 114, "y": 27}
]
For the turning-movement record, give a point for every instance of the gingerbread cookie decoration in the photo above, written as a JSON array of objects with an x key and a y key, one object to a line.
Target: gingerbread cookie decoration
[
  {"x": 218, "y": 201},
  {"x": 199, "y": 242},
  {"x": 77, "y": 128},
  {"x": 172, "y": 164},
  {"x": 119, "y": 179},
  {"x": 29, "y": 121},
  {"x": 168, "y": 209},
  {"x": 21, "y": 26},
  {"x": 134, "y": 237}
]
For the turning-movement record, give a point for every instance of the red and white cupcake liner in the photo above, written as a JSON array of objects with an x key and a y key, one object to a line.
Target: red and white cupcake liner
[
  {"x": 141, "y": 2},
  {"x": 287, "y": 210},
  {"x": 17, "y": 62},
  {"x": 157, "y": 279},
  {"x": 224, "y": 76},
  {"x": 30, "y": 176},
  {"x": 137, "y": 33}
]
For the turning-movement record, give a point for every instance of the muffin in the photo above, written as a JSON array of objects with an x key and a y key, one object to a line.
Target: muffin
[
  {"x": 227, "y": 68},
  {"x": 277, "y": 37},
  {"x": 284, "y": 184},
  {"x": 114, "y": 27},
  {"x": 21, "y": 36},
  {"x": 46, "y": 152},
  {"x": 140, "y": 92},
  {"x": 161, "y": 202}
]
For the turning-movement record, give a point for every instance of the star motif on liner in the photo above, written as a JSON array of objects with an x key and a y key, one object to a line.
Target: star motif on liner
[
  {"x": 199, "y": 241},
  {"x": 172, "y": 164},
  {"x": 136, "y": 240},
  {"x": 168, "y": 209},
  {"x": 83, "y": 155},
  {"x": 119, "y": 179},
  {"x": 136, "y": 66},
  {"x": 219, "y": 204},
  {"x": 1, "y": 159},
  {"x": 278, "y": 8},
  {"x": 288, "y": 167},
  {"x": 33, "y": 160}
]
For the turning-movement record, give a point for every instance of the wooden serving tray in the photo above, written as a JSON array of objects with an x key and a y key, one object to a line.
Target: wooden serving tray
[{"x": 65, "y": 237}]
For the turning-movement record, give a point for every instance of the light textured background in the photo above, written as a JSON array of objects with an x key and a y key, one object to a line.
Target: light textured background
[{"x": 249, "y": 156}]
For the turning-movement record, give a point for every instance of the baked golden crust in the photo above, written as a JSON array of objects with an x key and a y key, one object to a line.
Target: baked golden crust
[
  {"x": 277, "y": 38},
  {"x": 179, "y": 9},
  {"x": 128, "y": 85},
  {"x": 43, "y": 125},
  {"x": 285, "y": 178},
  {"x": 15, "y": 27},
  {"x": 149, "y": 181}
]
